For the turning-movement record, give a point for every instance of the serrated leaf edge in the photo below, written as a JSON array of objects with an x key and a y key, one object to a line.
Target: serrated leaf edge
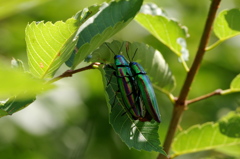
[
  {"x": 155, "y": 34},
  {"x": 176, "y": 153},
  {"x": 50, "y": 64}
]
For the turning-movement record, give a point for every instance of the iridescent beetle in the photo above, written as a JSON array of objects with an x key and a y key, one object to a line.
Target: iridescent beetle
[
  {"x": 127, "y": 86},
  {"x": 135, "y": 88},
  {"x": 145, "y": 89}
]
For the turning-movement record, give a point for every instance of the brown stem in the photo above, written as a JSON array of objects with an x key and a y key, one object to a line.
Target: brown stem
[
  {"x": 216, "y": 92},
  {"x": 69, "y": 73},
  {"x": 200, "y": 52},
  {"x": 181, "y": 102},
  {"x": 176, "y": 115}
]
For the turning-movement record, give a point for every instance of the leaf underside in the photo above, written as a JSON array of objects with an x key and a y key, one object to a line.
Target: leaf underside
[{"x": 49, "y": 46}]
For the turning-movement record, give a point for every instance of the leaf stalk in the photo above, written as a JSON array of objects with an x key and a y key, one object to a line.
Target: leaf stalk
[{"x": 214, "y": 45}]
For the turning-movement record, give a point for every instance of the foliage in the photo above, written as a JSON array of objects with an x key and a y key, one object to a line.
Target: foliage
[
  {"x": 205, "y": 137},
  {"x": 136, "y": 134},
  {"x": 81, "y": 38}
]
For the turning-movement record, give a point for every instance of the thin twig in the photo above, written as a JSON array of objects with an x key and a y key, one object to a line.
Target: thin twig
[
  {"x": 180, "y": 104},
  {"x": 216, "y": 92},
  {"x": 69, "y": 73}
]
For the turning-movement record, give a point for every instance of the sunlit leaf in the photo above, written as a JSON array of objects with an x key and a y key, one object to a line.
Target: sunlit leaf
[
  {"x": 49, "y": 46},
  {"x": 109, "y": 20},
  {"x": 15, "y": 82},
  {"x": 201, "y": 137},
  {"x": 166, "y": 30},
  {"x": 227, "y": 24},
  {"x": 230, "y": 125},
  {"x": 9, "y": 8},
  {"x": 230, "y": 150},
  {"x": 235, "y": 84}
]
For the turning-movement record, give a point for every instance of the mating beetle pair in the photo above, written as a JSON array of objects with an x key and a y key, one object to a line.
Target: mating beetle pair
[{"x": 136, "y": 89}]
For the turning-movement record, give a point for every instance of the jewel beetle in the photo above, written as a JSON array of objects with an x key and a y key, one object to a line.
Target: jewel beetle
[
  {"x": 127, "y": 86},
  {"x": 145, "y": 89}
]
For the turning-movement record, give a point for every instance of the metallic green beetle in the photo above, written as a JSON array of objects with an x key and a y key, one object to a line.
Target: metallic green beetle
[
  {"x": 127, "y": 87},
  {"x": 144, "y": 89}
]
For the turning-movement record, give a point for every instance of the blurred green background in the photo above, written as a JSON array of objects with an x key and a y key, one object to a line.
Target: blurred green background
[{"x": 71, "y": 121}]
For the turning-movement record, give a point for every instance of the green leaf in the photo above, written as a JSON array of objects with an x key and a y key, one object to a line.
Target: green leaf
[
  {"x": 49, "y": 46},
  {"x": 166, "y": 30},
  {"x": 201, "y": 137},
  {"x": 109, "y": 20},
  {"x": 235, "y": 84},
  {"x": 230, "y": 150},
  {"x": 13, "y": 105},
  {"x": 227, "y": 24},
  {"x": 230, "y": 125},
  {"x": 17, "y": 83},
  {"x": 150, "y": 59},
  {"x": 139, "y": 135},
  {"x": 136, "y": 134},
  {"x": 9, "y": 8}
]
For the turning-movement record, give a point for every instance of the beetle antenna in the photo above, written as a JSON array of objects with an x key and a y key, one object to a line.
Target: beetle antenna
[
  {"x": 109, "y": 48},
  {"x": 112, "y": 50},
  {"x": 127, "y": 48},
  {"x": 134, "y": 53},
  {"x": 121, "y": 48}
]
